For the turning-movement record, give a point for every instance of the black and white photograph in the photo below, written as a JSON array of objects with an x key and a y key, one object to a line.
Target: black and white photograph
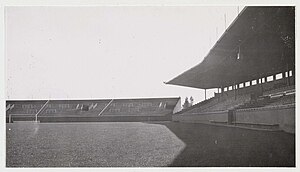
[{"x": 141, "y": 85}]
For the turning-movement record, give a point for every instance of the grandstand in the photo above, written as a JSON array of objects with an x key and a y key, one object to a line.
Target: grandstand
[
  {"x": 252, "y": 67},
  {"x": 92, "y": 110}
]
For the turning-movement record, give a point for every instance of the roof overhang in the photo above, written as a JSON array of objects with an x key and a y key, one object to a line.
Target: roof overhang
[{"x": 264, "y": 40}]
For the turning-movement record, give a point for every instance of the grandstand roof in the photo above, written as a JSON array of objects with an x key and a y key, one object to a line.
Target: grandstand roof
[{"x": 260, "y": 42}]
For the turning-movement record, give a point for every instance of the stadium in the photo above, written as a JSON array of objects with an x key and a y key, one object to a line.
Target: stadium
[{"x": 249, "y": 122}]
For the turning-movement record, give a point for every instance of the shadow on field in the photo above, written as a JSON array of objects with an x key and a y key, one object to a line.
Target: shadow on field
[{"x": 217, "y": 146}]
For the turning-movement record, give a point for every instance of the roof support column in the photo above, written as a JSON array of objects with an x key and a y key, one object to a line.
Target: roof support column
[
  {"x": 288, "y": 78},
  {"x": 284, "y": 78},
  {"x": 288, "y": 74},
  {"x": 261, "y": 86},
  {"x": 266, "y": 79},
  {"x": 283, "y": 75},
  {"x": 205, "y": 94},
  {"x": 222, "y": 92},
  {"x": 234, "y": 88}
]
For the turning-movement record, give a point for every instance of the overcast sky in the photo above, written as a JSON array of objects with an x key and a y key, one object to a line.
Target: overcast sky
[{"x": 107, "y": 52}]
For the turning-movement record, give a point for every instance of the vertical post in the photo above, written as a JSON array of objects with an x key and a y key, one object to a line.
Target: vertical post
[
  {"x": 205, "y": 94},
  {"x": 284, "y": 78},
  {"x": 221, "y": 95},
  {"x": 288, "y": 73},
  {"x": 9, "y": 118},
  {"x": 234, "y": 91},
  {"x": 231, "y": 119},
  {"x": 261, "y": 86},
  {"x": 288, "y": 78}
]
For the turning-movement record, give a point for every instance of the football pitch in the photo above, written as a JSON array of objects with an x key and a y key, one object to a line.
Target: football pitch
[{"x": 138, "y": 144}]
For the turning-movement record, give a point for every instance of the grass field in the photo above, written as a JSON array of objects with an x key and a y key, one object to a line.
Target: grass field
[{"x": 137, "y": 144}]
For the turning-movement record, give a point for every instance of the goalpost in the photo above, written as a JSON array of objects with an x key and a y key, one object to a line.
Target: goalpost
[{"x": 9, "y": 118}]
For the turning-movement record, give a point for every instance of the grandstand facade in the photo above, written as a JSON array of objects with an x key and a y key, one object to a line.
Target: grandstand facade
[
  {"x": 252, "y": 67},
  {"x": 92, "y": 110}
]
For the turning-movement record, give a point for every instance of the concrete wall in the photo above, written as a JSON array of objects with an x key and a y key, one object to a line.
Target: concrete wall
[
  {"x": 89, "y": 119},
  {"x": 220, "y": 116},
  {"x": 282, "y": 115}
]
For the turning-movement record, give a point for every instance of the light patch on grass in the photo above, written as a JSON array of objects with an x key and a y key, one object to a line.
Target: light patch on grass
[{"x": 91, "y": 145}]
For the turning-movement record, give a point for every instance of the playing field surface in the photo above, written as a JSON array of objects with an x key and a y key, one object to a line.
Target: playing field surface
[{"x": 137, "y": 144}]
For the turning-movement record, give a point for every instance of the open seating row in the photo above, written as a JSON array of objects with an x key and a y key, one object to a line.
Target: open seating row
[
  {"x": 108, "y": 107},
  {"x": 280, "y": 94}
]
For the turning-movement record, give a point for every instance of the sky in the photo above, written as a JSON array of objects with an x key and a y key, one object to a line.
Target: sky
[{"x": 108, "y": 51}]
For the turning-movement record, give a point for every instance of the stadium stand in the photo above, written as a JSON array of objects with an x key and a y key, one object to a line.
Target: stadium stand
[
  {"x": 81, "y": 109},
  {"x": 30, "y": 107},
  {"x": 228, "y": 101},
  {"x": 74, "y": 107},
  {"x": 252, "y": 66}
]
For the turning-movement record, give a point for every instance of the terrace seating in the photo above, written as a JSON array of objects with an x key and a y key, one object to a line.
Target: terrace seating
[
  {"x": 28, "y": 108},
  {"x": 136, "y": 108},
  {"x": 229, "y": 103},
  {"x": 283, "y": 100},
  {"x": 201, "y": 105},
  {"x": 74, "y": 108},
  {"x": 281, "y": 90},
  {"x": 277, "y": 93},
  {"x": 90, "y": 108},
  {"x": 272, "y": 99},
  {"x": 218, "y": 104}
]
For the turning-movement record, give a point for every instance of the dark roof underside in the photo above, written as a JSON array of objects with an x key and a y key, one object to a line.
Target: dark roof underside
[{"x": 264, "y": 37}]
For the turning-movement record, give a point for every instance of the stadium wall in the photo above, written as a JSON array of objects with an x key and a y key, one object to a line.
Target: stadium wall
[
  {"x": 284, "y": 116},
  {"x": 208, "y": 117},
  {"x": 15, "y": 118}
]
